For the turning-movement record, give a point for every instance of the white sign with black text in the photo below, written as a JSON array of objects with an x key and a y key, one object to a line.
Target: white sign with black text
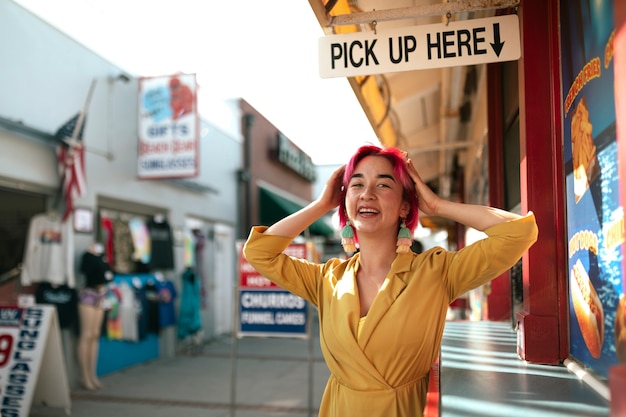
[{"x": 458, "y": 43}]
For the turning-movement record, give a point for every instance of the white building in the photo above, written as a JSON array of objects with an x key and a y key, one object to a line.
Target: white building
[{"x": 44, "y": 80}]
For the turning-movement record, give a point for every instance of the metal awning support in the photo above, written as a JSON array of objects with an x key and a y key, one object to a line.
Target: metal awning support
[
  {"x": 32, "y": 133},
  {"x": 24, "y": 130},
  {"x": 442, "y": 146},
  {"x": 438, "y": 9}
]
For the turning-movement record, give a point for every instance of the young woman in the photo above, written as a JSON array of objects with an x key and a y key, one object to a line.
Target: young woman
[{"x": 382, "y": 311}]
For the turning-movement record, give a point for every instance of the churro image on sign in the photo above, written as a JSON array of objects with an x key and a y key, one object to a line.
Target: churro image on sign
[
  {"x": 584, "y": 158},
  {"x": 588, "y": 309}
]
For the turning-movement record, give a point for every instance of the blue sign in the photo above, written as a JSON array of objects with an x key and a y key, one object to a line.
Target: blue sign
[{"x": 271, "y": 312}]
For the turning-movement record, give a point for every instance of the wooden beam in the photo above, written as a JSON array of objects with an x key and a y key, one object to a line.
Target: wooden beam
[{"x": 437, "y": 9}]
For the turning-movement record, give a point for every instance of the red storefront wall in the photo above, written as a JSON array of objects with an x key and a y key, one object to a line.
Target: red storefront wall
[{"x": 542, "y": 323}]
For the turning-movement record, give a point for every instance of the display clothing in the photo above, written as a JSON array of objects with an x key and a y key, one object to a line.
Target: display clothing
[
  {"x": 97, "y": 272},
  {"x": 189, "y": 322},
  {"x": 91, "y": 296},
  {"x": 189, "y": 249},
  {"x": 129, "y": 312},
  {"x": 113, "y": 320},
  {"x": 143, "y": 313},
  {"x": 141, "y": 240},
  {"x": 167, "y": 295},
  {"x": 49, "y": 252},
  {"x": 151, "y": 304},
  {"x": 107, "y": 237},
  {"x": 162, "y": 245},
  {"x": 384, "y": 370},
  {"x": 123, "y": 247},
  {"x": 200, "y": 243},
  {"x": 64, "y": 298}
]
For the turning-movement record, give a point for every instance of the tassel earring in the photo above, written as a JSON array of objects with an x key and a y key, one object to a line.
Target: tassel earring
[
  {"x": 404, "y": 239},
  {"x": 347, "y": 238}
]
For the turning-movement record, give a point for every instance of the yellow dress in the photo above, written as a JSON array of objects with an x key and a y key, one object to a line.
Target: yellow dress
[{"x": 382, "y": 370}]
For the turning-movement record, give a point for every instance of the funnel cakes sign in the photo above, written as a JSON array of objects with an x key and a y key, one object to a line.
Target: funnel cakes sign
[{"x": 168, "y": 127}]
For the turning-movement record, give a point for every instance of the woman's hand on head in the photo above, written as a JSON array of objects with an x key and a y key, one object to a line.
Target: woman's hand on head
[
  {"x": 427, "y": 199},
  {"x": 331, "y": 195}
]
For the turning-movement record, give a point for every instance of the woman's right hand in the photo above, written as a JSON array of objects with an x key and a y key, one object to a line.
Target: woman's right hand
[{"x": 331, "y": 195}]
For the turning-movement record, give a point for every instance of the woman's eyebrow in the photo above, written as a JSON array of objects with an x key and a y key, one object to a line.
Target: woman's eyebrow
[
  {"x": 382, "y": 176},
  {"x": 387, "y": 176}
]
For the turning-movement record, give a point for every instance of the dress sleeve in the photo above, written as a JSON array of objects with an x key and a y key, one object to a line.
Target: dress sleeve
[
  {"x": 484, "y": 260},
  {"x": 298, "y": 276}
]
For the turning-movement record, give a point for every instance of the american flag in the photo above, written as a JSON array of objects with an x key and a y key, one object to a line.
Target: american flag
[{"x": 71, "y": 159}]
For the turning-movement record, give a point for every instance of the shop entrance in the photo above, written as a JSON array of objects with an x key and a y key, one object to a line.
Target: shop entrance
[{"x": 16, "y": 210}]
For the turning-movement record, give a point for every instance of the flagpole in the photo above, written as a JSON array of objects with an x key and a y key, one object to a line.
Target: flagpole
[
  {"x": 77, "y": 128},
  {"x": 83, "y": 112}
]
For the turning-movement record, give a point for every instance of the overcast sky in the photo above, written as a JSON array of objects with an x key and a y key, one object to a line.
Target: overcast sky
[{"x": 264, "y": 52}]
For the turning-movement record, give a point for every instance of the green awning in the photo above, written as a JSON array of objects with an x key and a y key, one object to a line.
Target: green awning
[{"x": 273, "y": 207}]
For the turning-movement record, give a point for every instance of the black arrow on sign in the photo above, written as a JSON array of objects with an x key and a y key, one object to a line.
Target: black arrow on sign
[{"x": 496, "y": 45}]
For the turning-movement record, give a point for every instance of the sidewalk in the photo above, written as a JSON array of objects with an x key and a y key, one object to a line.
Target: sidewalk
[
  {"x": 272, "y": 379},
  {"x": 480, "y": 376}
]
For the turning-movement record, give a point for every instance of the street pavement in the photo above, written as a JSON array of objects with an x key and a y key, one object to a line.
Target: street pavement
[{"x": 271, "y": 377}]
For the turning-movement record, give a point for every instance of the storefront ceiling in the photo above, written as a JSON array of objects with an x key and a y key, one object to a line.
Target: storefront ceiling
[{"x": 429, "y": 113}]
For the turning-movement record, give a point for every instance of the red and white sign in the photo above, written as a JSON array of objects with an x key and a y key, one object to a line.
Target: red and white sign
[
  {"x": 265, "y": 309},
  {"x": 250, "y": 279},
  {"x": 168, "y": 127}
]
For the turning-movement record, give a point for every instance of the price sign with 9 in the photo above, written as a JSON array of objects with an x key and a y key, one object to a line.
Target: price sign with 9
[{"x": 6, "y": 347}]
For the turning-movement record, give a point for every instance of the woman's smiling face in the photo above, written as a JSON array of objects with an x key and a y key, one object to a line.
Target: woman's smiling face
[{"x": 374, "y": 197}]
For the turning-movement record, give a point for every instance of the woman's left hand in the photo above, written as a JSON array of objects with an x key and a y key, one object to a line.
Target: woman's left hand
[{"x": 428, "y": 201}]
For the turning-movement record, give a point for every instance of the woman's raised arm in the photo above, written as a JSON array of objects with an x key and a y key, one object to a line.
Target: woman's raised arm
[{"x": 294, "y": 224}]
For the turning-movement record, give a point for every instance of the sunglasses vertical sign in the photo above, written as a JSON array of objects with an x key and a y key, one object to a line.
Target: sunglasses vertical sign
[{"x": 32, "y": 367}]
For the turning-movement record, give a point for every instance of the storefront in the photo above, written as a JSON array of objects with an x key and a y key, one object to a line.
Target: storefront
[
  {"x": 277, "y": 178},
  {"x": 552, "y": 147},
  {"x": 158, "y": 231},
  {"x": 568, "y": 134}
]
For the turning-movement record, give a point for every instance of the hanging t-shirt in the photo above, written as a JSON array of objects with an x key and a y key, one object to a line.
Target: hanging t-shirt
[
  {"x": 162, "y": 245},
  {"x": 123, "y": 247},
  {"x": 141, "y": 240},
  {"x": 64, "y": 298},
  {"x": 167, "y": 295},
  {"x": 151, "y": 295},
  {"x": 189, "y": 249},
  {"x": 114, "y": 319},
  {"x": 107, "y": 237},
  {"x": 141, "y": 301},
  {"x": 200, "y": 244},
  {"x": 129, "y": 310},
  {"x": 189, "y": 322},
  {"x": 49, "y": 252}
]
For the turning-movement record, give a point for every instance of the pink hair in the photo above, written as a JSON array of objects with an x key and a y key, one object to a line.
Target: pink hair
[{"x": 398, "y": 161}]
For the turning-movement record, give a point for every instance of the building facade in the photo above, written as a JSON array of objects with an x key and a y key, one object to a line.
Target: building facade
[{"x": 46, "y": 79}]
